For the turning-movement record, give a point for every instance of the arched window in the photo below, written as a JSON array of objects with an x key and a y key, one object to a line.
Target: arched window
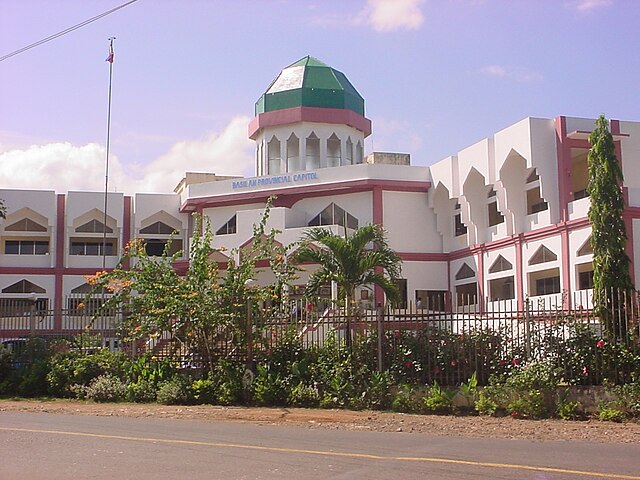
[
  {"x": 334, "y": 215},
  {"x": 334, "y": 153},
  {"x": 25, "y": 225},
  {"x": 228, "y": 228},
  {"x": 313, "y": 152},
  {"x": 465, "y": 271},
  {"x": 586, "y": 248},
  {"x": 94, "y": 226},
  {"x": 273, "y": 148},
  {"x": 500, "y": 265},
  {"x": 293, "y": 154},
  {"x": 160, "y": 228},
  {"x": 348, "y": 158},
  {"x": 359, "y": 154},
  {"x": 543, "y": 255},
  {"x": 24, "y": 286}
]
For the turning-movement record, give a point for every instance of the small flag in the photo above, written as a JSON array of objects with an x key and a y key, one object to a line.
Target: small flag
[{"x": 111, "y": 55}]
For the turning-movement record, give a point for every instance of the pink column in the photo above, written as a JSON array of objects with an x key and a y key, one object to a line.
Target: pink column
[
  {"x": 519, "y": 273},
  {"x": 126, "y": 225},
  {"x": 563, "y": 150},
  {"x": 480, "y": 275},
  {"x": 378, "y": 216},
  {"x": 566, "y": 265},
  {"x": 59, "y": 262}
]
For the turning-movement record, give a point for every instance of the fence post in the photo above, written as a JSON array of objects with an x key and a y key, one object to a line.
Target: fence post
[
  {"x": 527, "y": 328},
  {"x": 380, "y": 334}
]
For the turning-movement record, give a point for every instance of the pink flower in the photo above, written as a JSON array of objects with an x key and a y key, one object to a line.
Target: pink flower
[
  {"x": 585, "y": 371},
  {"x": 437, "y": 370},
  {"x": 600, "y": 344},
  {"x": 453, "y": 364}
]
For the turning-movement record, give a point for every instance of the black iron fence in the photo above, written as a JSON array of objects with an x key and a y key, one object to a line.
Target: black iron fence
[{"x": 416, "y": 344}]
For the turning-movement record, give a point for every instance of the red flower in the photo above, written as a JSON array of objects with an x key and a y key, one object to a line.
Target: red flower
[
  {"x": 600, "y": 344},
  {"x": 436, "y": 370},
  {"x": 502, "y": 362},
  {"x": 514, "y": 414},
  {"x": 516, "y": 361},
  {"x": 408, "y": 364},
  {"x": 585, "y": 371}
]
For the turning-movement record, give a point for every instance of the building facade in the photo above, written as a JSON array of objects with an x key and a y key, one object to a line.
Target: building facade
[{"x": 500, "y": 222}]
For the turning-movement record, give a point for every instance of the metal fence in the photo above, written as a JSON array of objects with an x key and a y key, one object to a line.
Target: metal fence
[{"x": 419, "y": 343}]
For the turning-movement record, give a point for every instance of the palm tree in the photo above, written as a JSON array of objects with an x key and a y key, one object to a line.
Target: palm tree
[{"x": 363, "y": 258}]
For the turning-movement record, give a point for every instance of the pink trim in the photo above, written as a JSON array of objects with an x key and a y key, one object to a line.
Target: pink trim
[
  {"x": 423, "y": 257},
  {"x": 378, "y": 219},
  {"x": 519, "y": 270},
  {"x": 50, "y": 271},
  {"x": 566, "y": 265},
  {"x": 480, "y": 277},
  {"x": 378, "y": 205},
  {"x": 289, "y": 196},
  {"x": 563, "y": 151},
  {"x": 614, "y": 126},
  {"x": 287, "y": 116},
  {"x": 126, "y": 226},
  {"x": 448, "y": 295},
  {"x": 59, "y": 263}
]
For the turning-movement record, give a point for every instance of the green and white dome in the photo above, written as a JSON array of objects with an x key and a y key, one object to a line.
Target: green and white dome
[{"x": 310, "y": 83}]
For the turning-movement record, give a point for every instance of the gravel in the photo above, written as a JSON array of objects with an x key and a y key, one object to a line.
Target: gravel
[{"x": 460, "y": 426}]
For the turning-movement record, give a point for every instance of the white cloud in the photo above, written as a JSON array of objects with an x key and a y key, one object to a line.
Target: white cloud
[
  {"x": 57, "y": 166},
  {"x": 226, "y": 153},
  {"x": 388, "y": 15},
  {"x": 587, "y": 6},
  {"x": 519, "y": 74},
  {"x": 63, "y": 166}
]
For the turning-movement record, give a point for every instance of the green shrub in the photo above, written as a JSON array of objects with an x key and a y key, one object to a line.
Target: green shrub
[
  {"x": 302, "y": 395},
  {"x": 608, "y": 414},
  {"x": 528, "y": 391},
  {"x": 377, "y": 393},
  {"x": 438, "y": 399},
  {"x": 227, "y": 377},
  {"x": 142, "y": 391},
  {"x": 270, "y": 387},
  {"x": 626, "y": 398},
  {"x": 150, "y": 368},
  {"x": 70, "y": 368},
  {"x": 203, "y": 391},
  {"x": 566, "y": 409},
  {"x": 485, "y": 404},
  {"x": 469, "y": 391},
  {"x": 106, "y": 388},
  {"x": 33, "y": 379},
  {"x": 406, "y": 400},
  {"x": 174, "y": 391}
]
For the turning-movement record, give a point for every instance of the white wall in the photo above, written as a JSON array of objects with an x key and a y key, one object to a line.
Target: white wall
[{"x": 410, "y": 223}]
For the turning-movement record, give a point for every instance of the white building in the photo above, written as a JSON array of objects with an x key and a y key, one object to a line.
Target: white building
[{"x": 502, "y": 220}]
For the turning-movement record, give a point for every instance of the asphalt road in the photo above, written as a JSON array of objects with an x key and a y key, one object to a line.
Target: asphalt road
[{"x": 36, "y": 446}]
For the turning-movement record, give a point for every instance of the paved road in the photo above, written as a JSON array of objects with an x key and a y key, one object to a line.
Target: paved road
[{"x": 36, "y": 446}]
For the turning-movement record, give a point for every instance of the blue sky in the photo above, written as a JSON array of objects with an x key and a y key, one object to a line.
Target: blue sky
[{"x": 436, "y": 76}]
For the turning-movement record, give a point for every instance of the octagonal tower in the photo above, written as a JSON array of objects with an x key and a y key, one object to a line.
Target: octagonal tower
[{"x": 310, "y": 117}]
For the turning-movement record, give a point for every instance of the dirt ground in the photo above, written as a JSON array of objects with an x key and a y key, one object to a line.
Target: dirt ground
[{"x": 462, "y": 426}]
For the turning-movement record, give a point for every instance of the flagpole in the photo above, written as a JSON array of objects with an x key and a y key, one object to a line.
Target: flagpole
[{"x": 106, "y": 168}]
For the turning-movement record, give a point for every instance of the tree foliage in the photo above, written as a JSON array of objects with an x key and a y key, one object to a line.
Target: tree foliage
[
  {"x": 608, "y": 237},
  {"x": 363, "y": 258},
  {"x": 3, "y": 209},
  {"x": 204, "y": 309}
]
